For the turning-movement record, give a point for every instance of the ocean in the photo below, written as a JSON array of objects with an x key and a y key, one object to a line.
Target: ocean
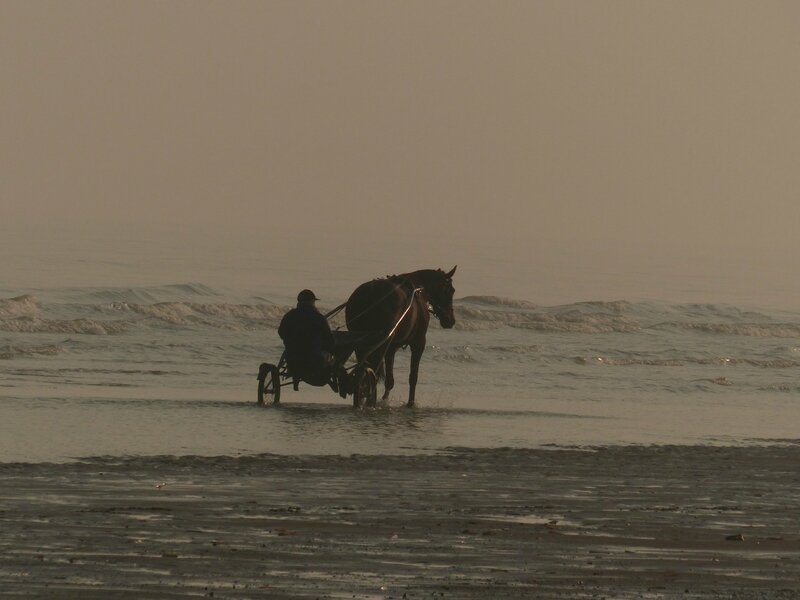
[{"x": 171, "y": 370}]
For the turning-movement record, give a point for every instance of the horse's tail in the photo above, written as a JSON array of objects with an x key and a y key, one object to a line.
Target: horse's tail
[{"x": 380, "y": 372}]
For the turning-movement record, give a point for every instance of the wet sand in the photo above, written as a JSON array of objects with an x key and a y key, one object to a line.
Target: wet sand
[{"x": 619, "y": 522}]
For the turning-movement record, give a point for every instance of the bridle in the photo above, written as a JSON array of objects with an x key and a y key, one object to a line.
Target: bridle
[{"x": 433, "y": 308}]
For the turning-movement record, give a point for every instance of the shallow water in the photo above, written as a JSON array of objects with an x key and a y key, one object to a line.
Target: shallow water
[{"x": 171, "y": 370}]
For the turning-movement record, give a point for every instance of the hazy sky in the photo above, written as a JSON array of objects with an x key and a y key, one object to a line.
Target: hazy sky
[{"x": 636, "y": 142}]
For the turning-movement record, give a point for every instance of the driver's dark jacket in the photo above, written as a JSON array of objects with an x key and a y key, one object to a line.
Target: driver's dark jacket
[{"x": 306, "y": 334}]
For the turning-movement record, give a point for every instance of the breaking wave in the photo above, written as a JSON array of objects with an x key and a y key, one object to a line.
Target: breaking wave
[
  {"x": 179, "y": 305},
  {"x": 20, "y": 306},
  {"x": 499, "y": 301},
  {"x": 779, "y": 330},
  {"x": 11, "y": 352},
  {"x": 82, "y": 326},
  {"x": 226, "y": 316},
  {"x": 149, "y": 295},
  {"x": 588, "y": 326},
  {"x": 476, "y": 313},
  {"x": 481, "y": 313}
]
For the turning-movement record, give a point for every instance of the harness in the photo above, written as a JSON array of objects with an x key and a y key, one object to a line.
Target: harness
[
  {"x": 431, "y": 306},
  {"x": 390, "y": 335}
]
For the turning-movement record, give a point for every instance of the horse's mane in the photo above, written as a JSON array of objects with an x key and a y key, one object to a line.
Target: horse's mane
[{"x": 406, "y": 275}]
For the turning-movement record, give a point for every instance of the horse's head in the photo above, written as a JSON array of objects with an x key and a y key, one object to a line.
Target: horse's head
[{"x": 440, "y": 292}]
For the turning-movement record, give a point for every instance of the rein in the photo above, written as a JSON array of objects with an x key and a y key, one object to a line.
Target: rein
[
  {"x": 335, "y": 311},
  {"x": 405, "y": 312},
  {"x": 390, "y": 335}
]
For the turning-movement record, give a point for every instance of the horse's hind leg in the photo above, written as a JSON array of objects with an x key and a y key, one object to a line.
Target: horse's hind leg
[{"x": 388, "y": 382}]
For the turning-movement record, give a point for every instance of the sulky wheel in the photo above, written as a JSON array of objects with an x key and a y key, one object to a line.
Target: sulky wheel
[
  {"x": 269, "y": 384},
  {"x": 366, "y": 388}
]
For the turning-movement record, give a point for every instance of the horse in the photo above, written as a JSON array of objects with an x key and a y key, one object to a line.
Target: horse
[{"x": 397, "y": 307}]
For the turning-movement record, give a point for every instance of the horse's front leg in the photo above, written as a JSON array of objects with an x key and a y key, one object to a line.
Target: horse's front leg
[
  {"x": 417, "y": 348},
  {"x": 388, "y": 365}
]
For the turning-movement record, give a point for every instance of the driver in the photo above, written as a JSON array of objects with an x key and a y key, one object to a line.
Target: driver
[{"x": 309, "y": 344}]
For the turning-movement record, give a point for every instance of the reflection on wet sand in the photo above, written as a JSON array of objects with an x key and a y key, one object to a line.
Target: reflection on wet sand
[{"x": 385, "y": 429}]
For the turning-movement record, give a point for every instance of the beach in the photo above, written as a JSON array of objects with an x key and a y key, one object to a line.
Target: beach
[
  {"x": 606, "y": 449},
  {"x": 610, "y": 522}
]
